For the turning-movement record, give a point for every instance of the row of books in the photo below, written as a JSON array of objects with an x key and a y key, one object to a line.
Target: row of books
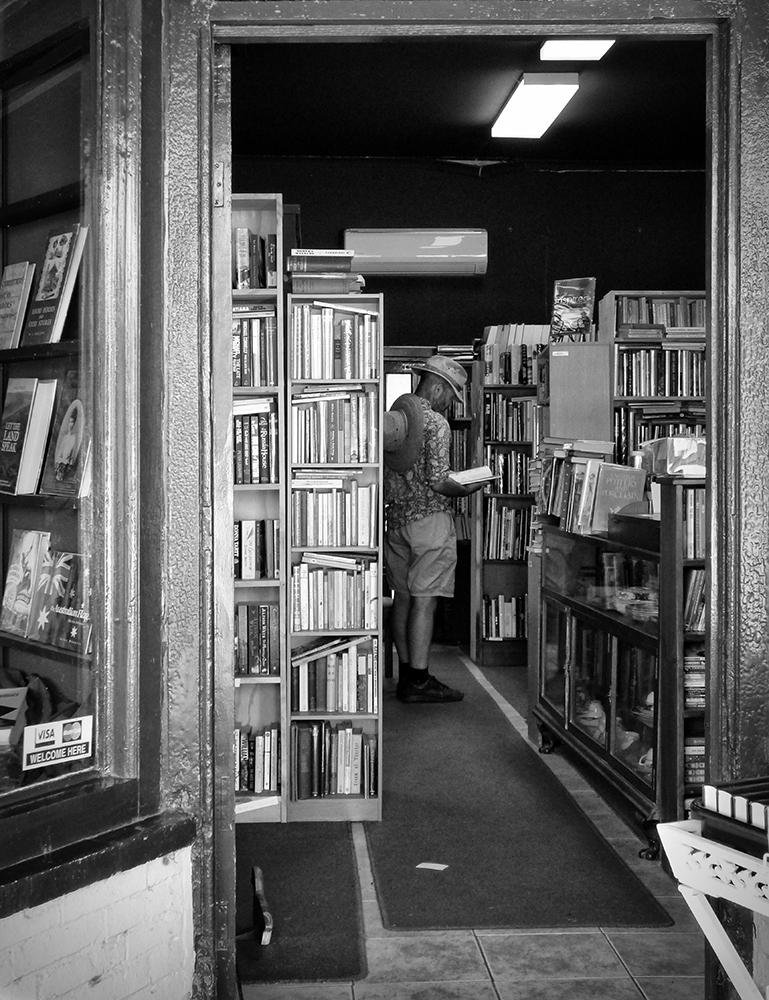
[
  {"x": 507, "y": 352},
  {"x": 333, "y": 341},
  {"x": 506, "y": 530},
  {"x": 255, "y": 441},
  {"x": 328, "y": 760},
  {"x": 507, "y": 419},
  {"x": 504, "y": 617},
  {"x": 254, "y": 259},
  {"x": 330, "y": 426},
  {"x": 344, "y": 678},
  {"x": 256, "y": 544},
  {"x": 695, "y": 523},
  {"x": 695, "y": 682},
  {"x": 582, "y": 491},
  {"x": 330, "y": 507},
  {"x": 510, "y": 467},
  {"x": 695, "y": 601},
  {"x": 668, "y": 311},
  {"x": 257, "y": 759},
  {"x": 320, "y": 271},
  {"x": 332, "y": 592},
  {"x": 45, "y": 593},
  {"x": 668, "y": 370},
  {"x": 694, "y": 760},
  {"x": 637, "y": 423},
  {"x": 25, "y": 321},
  {"x": 254, "y": 346},
  {"x": 44, "y": 440},
  {"x": 257, "y": 638}
]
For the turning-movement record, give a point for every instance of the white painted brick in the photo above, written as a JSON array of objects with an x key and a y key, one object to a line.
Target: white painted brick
[
  {"x": 27, "y": 923},
  {"x": 92, "y": 897},
  {"x": 69, "y": 939},
  {"x": 22, "y": 989},
  {"x": 168, "y": 868},
  {"x": 76, "y": 970}
]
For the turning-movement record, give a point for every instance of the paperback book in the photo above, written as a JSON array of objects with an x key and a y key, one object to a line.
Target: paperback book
[
  {"x": 24, "y": 429},
  {"x": 55, "y": 284},
  {"x": 67, "y": 455},
  {"x": 15, "y": 287},
  {"x": 27, "y": 550}
]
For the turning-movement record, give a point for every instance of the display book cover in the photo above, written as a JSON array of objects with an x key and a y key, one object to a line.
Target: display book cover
[
  {"x": 67, "y": 467},
  {"x": 24, "y": 432},
  {"x": 55, "y": 284},
  {"x": 15, "y": 286}
]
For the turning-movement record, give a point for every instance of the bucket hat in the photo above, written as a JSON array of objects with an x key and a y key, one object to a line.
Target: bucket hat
[{"x": 446, "y": 368}]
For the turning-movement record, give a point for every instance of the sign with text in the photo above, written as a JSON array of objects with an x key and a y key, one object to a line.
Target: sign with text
[{"x": 58, "y": 742}]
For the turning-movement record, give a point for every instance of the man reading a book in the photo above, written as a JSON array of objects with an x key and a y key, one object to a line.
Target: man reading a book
[{"x": 420, "y": 538}]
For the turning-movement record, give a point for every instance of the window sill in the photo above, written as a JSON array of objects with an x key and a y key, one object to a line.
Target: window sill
[{"x": 35, "y": 882}]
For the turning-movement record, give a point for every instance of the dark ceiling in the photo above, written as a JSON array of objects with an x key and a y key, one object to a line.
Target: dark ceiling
[{"x": 642, "y": 104}]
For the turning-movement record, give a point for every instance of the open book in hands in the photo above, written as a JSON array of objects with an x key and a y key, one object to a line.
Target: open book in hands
[{"x": 470, "y": 477}]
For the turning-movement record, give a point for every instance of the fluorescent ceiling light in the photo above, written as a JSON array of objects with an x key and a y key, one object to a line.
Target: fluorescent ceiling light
[
  {"x": 565, "y": 49},
  {"x": 534, "y": 105}
]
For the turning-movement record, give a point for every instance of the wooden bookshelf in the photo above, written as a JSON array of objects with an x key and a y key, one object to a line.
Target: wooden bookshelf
[
  {"x": 611, "y": 681},
  {"x": 259, "y": 512},
  {"x": 503, "y": 429},
  {"x": 659, "y": 366},
  {"x": 335, "y": 528}
]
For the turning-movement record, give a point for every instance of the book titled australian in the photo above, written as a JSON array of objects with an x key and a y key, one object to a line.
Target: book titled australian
[
  {"x": 15, "y": 286},
  {"x": 27, "y": 550},
  {"x": 69, "y": 624},
  {"x": 24, "y": 428},
  {"x": 55, "y": 284}
]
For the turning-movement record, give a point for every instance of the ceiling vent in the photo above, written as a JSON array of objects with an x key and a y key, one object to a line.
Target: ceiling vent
[{"x": 418, "y": 251}]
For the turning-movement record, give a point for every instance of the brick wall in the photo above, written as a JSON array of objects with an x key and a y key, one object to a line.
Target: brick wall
[{"x": 129, "y": 936}]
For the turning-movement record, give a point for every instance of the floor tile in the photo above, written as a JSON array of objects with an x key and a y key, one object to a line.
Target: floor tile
[
  {"x": 658, "y": 988},
  {"x": 569, "y": 989},
  {"x": 424, "y": 991},
  {"x": 297, "y": 991},
  {"x": 660, "y": 953},
  {"x": 550, "y": 956},
  {"x": 444, "y": 957},
  {"x": 681, "y": 914}
]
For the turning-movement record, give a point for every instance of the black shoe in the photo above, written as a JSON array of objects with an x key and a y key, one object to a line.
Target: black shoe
[{"x": 430, "y": 690}]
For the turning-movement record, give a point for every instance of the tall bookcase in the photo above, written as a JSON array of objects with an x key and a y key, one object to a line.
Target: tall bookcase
[
  {"x": 659, "y": 364},
  {"x": 335, "y": 530},
  {"x": 616, "y": 652},
  {"x": 259, "y": 509},
  {"x": 503, "y": 430}
]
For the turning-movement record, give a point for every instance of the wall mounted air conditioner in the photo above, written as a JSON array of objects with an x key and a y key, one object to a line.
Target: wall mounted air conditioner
[{"x": 418, "y": 251}]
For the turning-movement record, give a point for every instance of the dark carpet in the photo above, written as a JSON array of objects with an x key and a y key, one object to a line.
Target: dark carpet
[
  {"x": 462, "y": 789},
  {"x": 312, "y": 887}
]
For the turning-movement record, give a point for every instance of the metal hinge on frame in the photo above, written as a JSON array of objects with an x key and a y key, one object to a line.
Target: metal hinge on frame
[{"x": 218, "y": 182}]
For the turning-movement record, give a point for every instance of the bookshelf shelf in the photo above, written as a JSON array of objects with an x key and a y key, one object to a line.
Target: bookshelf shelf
[
  {"x": 259, "y": 511},
  {"x": 334, "y": 555},
  {"x": 658, "y": 382},
  {"x": 503, "y": 435},
  {"x": 611, "y": 687}
]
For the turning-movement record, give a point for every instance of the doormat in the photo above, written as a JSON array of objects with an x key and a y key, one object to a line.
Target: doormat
[
  {"x": 477, "y": 832},
  {"x": 310, "y": 877}
]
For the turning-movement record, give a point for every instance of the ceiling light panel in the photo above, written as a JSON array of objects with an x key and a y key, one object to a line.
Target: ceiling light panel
[
  {"x": 535, "y": 103},
  {"x": 573, "y": 49}
]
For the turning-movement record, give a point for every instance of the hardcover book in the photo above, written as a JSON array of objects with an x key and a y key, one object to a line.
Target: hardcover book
[
  {"x": 15, "y": 287},
  {"x": 50, "y": 586},
  {"x": 55, "y": 284},
  {"x": 616, "y": 487},
  {"x": 24, "y": 431},
  {"x": 66, "y": 458},
  {"x": 24, "y": 558}
]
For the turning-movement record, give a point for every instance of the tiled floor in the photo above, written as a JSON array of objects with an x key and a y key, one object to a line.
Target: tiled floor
[{"x": 565, "y": 964}]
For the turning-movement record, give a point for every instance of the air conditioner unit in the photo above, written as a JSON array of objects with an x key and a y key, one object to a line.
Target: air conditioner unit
[{"x": 418, "y": 251}]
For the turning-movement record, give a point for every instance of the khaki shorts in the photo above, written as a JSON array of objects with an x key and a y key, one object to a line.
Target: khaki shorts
[{"x": 421, "y": 556}]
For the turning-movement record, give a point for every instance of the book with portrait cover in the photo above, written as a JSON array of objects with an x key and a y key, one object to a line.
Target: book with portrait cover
[
  {"x": 55, "y": 283},
  {"x": 24, "y": 429},
  {"x": 26, "y": 552},
  {"x": 15, "y": 286},
  {"x": 66, "y": 458}
]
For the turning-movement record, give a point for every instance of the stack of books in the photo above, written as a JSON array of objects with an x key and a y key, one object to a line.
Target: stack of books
[{"x": 323, "y": 272}]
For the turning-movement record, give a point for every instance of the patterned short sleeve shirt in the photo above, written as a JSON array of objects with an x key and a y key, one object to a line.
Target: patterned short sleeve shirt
[{"x": 409, "y": 495}]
